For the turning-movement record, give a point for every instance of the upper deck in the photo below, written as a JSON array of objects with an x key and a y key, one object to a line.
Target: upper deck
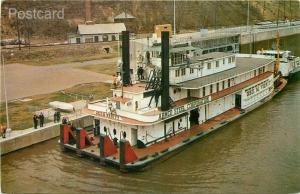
[
  {"x": 134, "y": 105},
  {"x": 244, "y": 64}
]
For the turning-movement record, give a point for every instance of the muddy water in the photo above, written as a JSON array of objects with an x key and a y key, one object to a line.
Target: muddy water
[{"x": 260, "y": 153}]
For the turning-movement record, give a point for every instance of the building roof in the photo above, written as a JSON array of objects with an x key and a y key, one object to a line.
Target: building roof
[
  {"x": 101, "y": 28},
  {"x": 124, "y": 15},
  {"x": 243, "y": 64}
]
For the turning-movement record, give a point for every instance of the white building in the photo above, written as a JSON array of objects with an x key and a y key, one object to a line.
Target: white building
[{"x": 89, "y": 33}]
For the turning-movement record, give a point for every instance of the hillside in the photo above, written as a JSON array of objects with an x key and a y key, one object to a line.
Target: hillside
[{"x": 190, "y": 15}]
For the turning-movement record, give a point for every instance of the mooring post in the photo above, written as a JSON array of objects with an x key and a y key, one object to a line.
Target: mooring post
[
  {"x": 78, "y": 139},
  {"x": 122, "y": 152},
  {"x": 61, "y": 137},
  {"x": 101, "y": 149},
  {"x": 61, "y": 134}
]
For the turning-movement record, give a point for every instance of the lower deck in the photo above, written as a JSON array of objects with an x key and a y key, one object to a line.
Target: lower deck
[{"x": 171, "y": 143}]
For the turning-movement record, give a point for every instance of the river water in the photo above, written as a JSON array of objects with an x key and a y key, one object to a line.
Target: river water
[{"x": 260, "y": 153}]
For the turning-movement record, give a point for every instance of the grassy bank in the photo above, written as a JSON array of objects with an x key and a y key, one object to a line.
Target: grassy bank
[
  {"x": 52, "y": 55},
  {"x": 20, "y": 113}
]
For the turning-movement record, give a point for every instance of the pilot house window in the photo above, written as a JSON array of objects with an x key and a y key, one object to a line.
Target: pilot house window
[
  {"x": 177, "y": 73},
  {"x": 191, "y": 70},
  {"x": 182, "y": 71},
  {"x": 208, "y": 65}
]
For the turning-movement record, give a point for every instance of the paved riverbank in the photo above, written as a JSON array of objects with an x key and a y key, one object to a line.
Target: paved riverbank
[{"x": 25, "y": 80}]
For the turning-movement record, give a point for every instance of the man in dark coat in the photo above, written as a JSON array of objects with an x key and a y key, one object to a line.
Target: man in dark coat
[
  {"x": 41, "y": 118},
  {"x": 55, "y": 117},
  {"x": 35, "y": 121},
  {"x": 58, "y": 116}
]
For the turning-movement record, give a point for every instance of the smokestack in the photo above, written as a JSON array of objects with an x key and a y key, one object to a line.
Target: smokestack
[
  {"x": 165, "y": 103},
  {"x": 88, "y": 11},
  {"x": 125, "y": 58}
]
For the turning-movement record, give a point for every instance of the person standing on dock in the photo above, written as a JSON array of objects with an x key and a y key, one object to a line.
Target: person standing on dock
[
  {"x": 58, "y": 116},
  {"x": 3, "y": 130},
  {"x": 55, "y": 117},
  {"x": 41, "y": 118},
  {"x": 35, "y": 121}
]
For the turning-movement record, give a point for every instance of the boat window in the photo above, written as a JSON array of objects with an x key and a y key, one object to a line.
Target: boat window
[
  {"x": 224, "y": 61},
  {"x": 177, "y": 73},
  {"x": 218, "y": 87},
  {"x": 191, "y": 70},
  {"x": 223, "y": 85},
  {"x": 203, "y": 91},
  {"x": 183, "y": 71},
  {"x": 229, "y": 60},
  {"x": 208, "y": 65},
  {"x": 217, "y": 64},
  {"x": 211, "y": 88},
  {"x": 228, "y": 82}
]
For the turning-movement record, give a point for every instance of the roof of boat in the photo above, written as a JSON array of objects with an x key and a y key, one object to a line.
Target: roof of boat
[
  {"x": 274, "y": 51},
  {"x": 172, "y": 49},
  {"x": 208, "y": 56},
  {"x": 243, "y": 64}
]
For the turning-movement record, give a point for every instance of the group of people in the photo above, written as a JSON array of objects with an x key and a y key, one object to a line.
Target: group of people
[
  {"x": 140, "y": 73},
  {"x": 56, "y": 117},
  {"x": 38, "y": 118}
]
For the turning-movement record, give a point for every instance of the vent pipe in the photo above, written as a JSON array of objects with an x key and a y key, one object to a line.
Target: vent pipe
[
  {"x": 125, "y": 58},
  {"x": 165, "y": 102}
]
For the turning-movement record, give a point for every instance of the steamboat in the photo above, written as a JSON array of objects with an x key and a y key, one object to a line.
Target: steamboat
[
  {"x": 178, "y": 98},
  {"x": 289, "y": 64}
]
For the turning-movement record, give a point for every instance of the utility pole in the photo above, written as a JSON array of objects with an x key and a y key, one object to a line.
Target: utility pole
[
  {"x": 278, "y": 13},
  {"x": 216, "y": 3},
  {"x": 5, "y": 92},
  {"x": 18, "y": 29},
  {"x": 284, "y": 10},
  {"x": 248, "y": 12},
  {"x": 290, "y": 11}
]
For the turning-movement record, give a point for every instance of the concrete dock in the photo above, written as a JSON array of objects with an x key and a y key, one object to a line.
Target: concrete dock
[
  {"x": 23, "y": 138},
  {"x": 18, "y": 139}
]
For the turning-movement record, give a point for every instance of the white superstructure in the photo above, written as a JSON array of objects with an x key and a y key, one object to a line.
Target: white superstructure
[
  {"x": 289, "y": 64},
  {"x": 201, "y": 87}
]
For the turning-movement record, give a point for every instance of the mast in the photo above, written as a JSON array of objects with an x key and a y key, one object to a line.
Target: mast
[
  {"x": 248, "y": 13},
  {"x": 278, "y": 54},
  {"x": 5, "y": 92},
  {"x": 174, "y": 19},
  {"x": 277, "y": 44}
]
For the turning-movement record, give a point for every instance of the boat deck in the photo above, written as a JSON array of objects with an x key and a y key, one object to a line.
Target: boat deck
[
  {"x": 181, "y": 136},
  {"x": 170, "y": 140},
  {"x": 171, "y": 143}
]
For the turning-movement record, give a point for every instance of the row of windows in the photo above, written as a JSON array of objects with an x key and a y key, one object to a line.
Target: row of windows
[
  {"x": 222, "y": 84},
  {"x": 182, "y": 71},
  {"x": 209, "y": 64}
]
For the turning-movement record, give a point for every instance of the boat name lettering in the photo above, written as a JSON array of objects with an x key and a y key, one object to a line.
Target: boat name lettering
[
  {"x": 183, "y": 108},
  {"x": 108, "y": 115}
]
